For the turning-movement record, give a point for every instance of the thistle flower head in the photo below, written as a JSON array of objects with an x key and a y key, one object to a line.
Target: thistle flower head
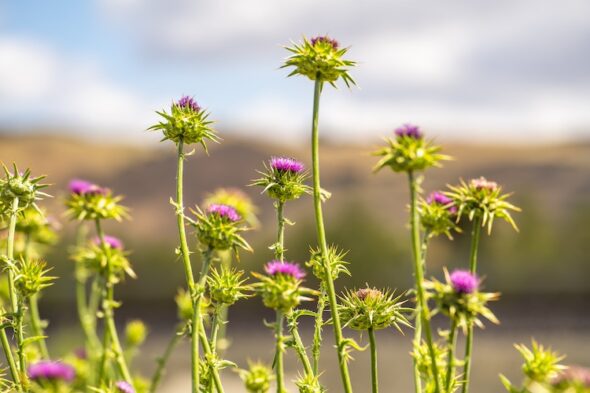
[
  {"x": 124, "y": 387},
  {"x": 437, "y": 197},
  {"x": 236, "y": 198},
  {"x": 31, "y": 276},
  {"x": 422, "y": 355},
  {"x": 409, "y": 131},
  {"x": 81, "y": 187},
  {"x": 540, "y": 364},
  {"x": 335, "y": 259},
  {"x": 95, "y": 203},
  {"x": 283, "y": 179},
  {"x": 50, "y": 370},
  {"x": 309, "y": 383},
  {"x": 371, "y": 308},
  {"x": 409, "y": 152},
  {"x": 572, "y": 377},
  {"x": 37, "y": 227},
  {"x": 21, "y": 185},
  {"x": 285, "y": 164},
  {"x": 186, "y": 123},
  {"x": 257, "y": 378},
  {"x": 188, "y": 103},
  {"x": 224, "y": 211},
  {"x": 110, "y": 241},
  {"x": 459, "y": 298},
  {"x": 464, "y": 281},
  {"x": 321, "y": 59},
  {"x": 275, "y": 267},
  {"x": 93, "y": 258},
  {"x": 482, "y": 199},
  {"x": 219, "y": 228},
  {"x": 227, "y": 286},
  {"x": 438, "y": 215}
]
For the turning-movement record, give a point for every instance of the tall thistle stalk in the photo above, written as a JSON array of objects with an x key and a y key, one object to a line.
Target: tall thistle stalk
[{"x": 280, "y": 339}]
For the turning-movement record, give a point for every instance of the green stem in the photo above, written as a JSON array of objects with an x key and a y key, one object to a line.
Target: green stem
[
  {"x": 321, "y": 233},
  {"x": 109, "y": 318},
  {"x": 374, "y": 378},
  {"x": 280, "y": 246},
  {"x": 20, "y": 338},
  {"x": 222, "y": 341},
  {"x": 418, "y": 322},
  {"x": 475, "y": 236},
  {"x": 208, "y": 353},
  {"x": 299, "y": 347},
  {"x": 419, "y": 275},
  {"x": 197, "y": 321},
  {"x": 317, "y": 332},
  {"x": 163, "y": 360},
  {"x": 451, "y": 356},
  {"x": 37, "y": 326},
  {"x": 190, "y": 280},
  {"x": 278, "y": 363},
  {"x": 10, "y": 358}
]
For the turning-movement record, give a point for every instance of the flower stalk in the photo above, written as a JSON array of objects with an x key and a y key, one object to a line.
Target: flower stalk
[{"x": 374, "y": 376}]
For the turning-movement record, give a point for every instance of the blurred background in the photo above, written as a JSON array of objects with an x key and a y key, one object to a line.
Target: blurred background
[{"x": 504, "y": 86}]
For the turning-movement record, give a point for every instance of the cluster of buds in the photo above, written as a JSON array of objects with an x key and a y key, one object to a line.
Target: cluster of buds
[
  {"x": 371, "y": 308},
  {"x": 283, "y": 179},
  {"x": 219, "y": 228},
  {"x": 421, "y": 354},
  {"x": 94, "y": 256},
  {"x": 89, "y": 201},
  {"x": 257, "y": 378},
  {"x": 482, "y": 199},
  {"x": 460, "y": 299},
  {"x": 238, "y": 200},
  {"x": 335, "y": 259},
  {"x": 320, "y": 59},
  {"x": 409, "y": 151},
  {"x": 31, "y": 277},
  {"x": 186, "y": 122},
  {"x": 227, "y": 286},
  {"x": 438, "y": 215},
  {"x": 309, "y": 383},
  {"x": 20, "y": 186},
  {"x": 281, "y": 288}
]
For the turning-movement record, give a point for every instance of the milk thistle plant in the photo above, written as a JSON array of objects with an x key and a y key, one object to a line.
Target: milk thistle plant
[{"x": 217, "y": 230}]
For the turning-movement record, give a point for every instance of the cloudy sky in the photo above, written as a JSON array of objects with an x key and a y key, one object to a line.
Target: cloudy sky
[{"x": 493, "y": 70}]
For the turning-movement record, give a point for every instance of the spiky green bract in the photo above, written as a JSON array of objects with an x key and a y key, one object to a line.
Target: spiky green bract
[
  {"x": 437, "y": 219},
  {"x": 408, "y": 154},
  {"x": 281, "y": 292},
  {"x": 216, "y": 232},
  {"x": 370, "y": 308},
  {"x": 423, "y": 358},
  {"x": 236, "y": 198},
  {"x": 30, "y": 277},
  {"x": 309, "y": 383},
  {"x": 96, "y": 206},
  {"x": 282, "y": 185},
  {"x": 541, "y": 365},
  {"x": 488, "y": 203},
  {"x": 227, "y": 286},
  {"x": 20, "y": 185},
  {"x": 257, "y": 378},
  {"x": 336, "y": 262},
  {"x": 463, "y": 308},
  {"x": 186, "y": 124},
  {"x": 321, "y": 61},
  {"x": 94, "y": 258}
]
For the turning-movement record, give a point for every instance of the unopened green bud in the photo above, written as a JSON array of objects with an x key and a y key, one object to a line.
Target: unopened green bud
[
  {"x": 135, "y": 333},
  {"x": 257, "y": 378},
  {"x": 31, "y": 277}
]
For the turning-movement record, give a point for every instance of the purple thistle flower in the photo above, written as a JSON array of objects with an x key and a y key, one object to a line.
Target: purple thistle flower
[
  {"x": 124, "y": 387},
  {"x": 110, "y": 241},
  {"x": 326, "y": 39},
  {"x": 464, "y": 282},
  {"x": 364, "y": 293},
  {"x": 224, "y": 211},
  {"x": 285, "y": 164},
  {"x": 439, "y": 198},
  {"x": 409, "y": 130},
  {"x": 188, "y": 102},
  {"x": 287, "y": 268},
  {"x": 483, "y": 184},
  {"x": 83, "y": 187},
  {"x": 51, "y": 370}
]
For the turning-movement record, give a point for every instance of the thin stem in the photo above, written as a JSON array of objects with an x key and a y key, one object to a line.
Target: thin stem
[
  {"x": 37, "y": 326},
  {"x": 475, "y": 236},
  {"x": 419, "y": 275},
  {"x": 374, "y": 378},
  {"x": 317, "y": 331},
  {"x": 451, "y": 355},
  {"x": 208, "y": 353},
  {"x": 299, "y": 347},
  {"x": 10, "y": 358},
  {"x": 163, "y": 360},
  {"x": 321, "y": 233},
  {"x": 197, "y": 321},
  {"x": 418, "y": 322},
  {"x": 278, "y": 362},
  {"x": 190, "y": 280},
  {"x": 20, "y": 338},
  {"x": 222, "y": 341},
  {"x": 109, "y": 318}
]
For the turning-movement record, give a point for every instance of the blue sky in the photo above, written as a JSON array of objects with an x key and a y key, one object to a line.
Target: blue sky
[{"x": 504, "y": 70}]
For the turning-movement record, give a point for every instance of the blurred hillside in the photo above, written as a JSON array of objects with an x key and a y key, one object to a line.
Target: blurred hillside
[{"x": 365, "y": 215}]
